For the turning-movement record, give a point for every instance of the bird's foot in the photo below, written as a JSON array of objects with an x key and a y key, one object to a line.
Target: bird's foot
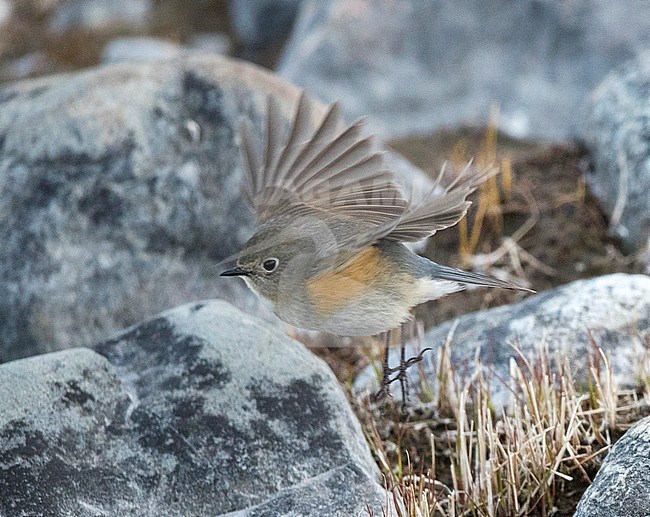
[{"x": 401, "y": 371}]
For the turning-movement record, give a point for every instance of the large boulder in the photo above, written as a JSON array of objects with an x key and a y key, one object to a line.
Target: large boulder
[
  {"x": 621, "y": 485},
  {"x": 613, "y": 311},
  {"x": 200, "y": 411},
  {"x": 413, "y": 66},
  {"x": 617, "y": 133},
  {"x": 120, "y": 193}
]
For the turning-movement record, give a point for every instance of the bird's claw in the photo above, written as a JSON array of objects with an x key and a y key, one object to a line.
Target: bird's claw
[{"x": 401, "y": 376}]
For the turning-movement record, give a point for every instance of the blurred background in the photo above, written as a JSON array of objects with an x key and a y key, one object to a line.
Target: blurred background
[
  {"x": 411, "y": 66},
  {"x": 551, "y": 92},
  {"x": 48, "y": 36}
]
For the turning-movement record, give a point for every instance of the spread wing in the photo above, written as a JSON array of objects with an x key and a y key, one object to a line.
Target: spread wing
[
  {"x": 333, "y": 168},
  {"x": 329, "y": 167},
  {"x": 443, "y": 208}
]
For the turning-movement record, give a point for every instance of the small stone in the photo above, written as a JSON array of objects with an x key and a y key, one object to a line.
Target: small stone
[
  {"x": 6, "y": 9},
  {"x": 27, "y": 65},
  {"x": 211, "y": 42},
  {"x": 100, "y": 14},
  {"x": 139, "y": 49}
]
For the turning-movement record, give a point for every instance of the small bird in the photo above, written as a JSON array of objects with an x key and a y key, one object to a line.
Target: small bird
[{"x": 328, "y": 251}]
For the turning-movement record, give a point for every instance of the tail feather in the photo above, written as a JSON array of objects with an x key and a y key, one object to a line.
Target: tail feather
[{"x": 465, "y": 277}]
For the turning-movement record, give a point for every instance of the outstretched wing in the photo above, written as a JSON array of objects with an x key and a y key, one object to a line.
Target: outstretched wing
[
  {"x": 333, "y": 170},
  {"x": 330, "y": 167},
  {"x": 443, "y": 208}
]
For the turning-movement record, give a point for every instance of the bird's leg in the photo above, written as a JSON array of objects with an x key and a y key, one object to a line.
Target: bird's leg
[
  {"x": 401, "y": 369},
  {"x": 386, "y": 371},
  {"x": 403, "y": 378}
]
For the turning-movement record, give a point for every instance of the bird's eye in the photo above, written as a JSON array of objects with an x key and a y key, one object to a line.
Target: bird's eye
[{"x": 270, "y": 265}]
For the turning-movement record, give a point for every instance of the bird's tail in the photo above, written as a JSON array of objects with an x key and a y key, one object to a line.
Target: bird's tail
[{"x": 465, "y": 277}]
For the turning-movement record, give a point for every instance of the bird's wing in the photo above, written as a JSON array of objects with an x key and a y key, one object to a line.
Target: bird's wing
[
  {"x": 332, "y": 168},
  {"x": 333, "y": 173},
  {"x": 443, "y": 208}
]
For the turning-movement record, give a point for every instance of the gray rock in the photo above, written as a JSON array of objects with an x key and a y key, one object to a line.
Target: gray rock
[
  {"x": 259, "y": 23},
  {"x": 6, "y": 9},
  {"x": 202, "y": 410},
  {"x": 139, "y": 49},
  {"x": 100, "y": 14},
  {"x": 621, "y": 485},
  {"x": 120, "y": 193},
  {"x": 213, "y": 42},
  {"x": 614, "y": 309},
  {"x": 415, "y": 66},
  {"x": 617, "y": 133},
  {"x": 325, "y": 495}
]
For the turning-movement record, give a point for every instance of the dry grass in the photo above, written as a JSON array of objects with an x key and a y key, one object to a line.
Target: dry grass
[
  {"x": 454, "y": 453},
  {"x": 488, "y": 220},
  {"x": 491, "y": 194},
  {"x": 457, "y": 455}
]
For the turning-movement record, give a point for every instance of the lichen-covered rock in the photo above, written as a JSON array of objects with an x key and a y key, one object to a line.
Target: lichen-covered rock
[
  {"x": 326, "y": 495},
  {"x": 415, "y": 66},
  {"x": 614, "y": 310},
  {"x": 621, "y": 485},
  {"x": 202, "y": 410},
  {"x": 58, "y": 415},
  {"x": 120, "y": 191},
  {"x": 617, "y": 133}
]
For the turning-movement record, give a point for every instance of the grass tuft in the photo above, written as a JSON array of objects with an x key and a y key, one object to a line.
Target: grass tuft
[{"x": 455, "y": 454}]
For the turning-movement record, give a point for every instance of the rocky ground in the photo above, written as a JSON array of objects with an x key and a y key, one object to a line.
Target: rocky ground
[{"x": 124, "y": 394}]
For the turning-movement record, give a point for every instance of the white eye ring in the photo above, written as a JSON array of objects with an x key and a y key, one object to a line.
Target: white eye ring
[{"x": 270, "y": 264}]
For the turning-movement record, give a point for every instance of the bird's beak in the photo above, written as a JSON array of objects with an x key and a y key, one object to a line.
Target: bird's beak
[{"x": 236, "y": 271}]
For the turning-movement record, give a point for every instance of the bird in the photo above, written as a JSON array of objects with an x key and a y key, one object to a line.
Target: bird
[{"x": 329, "y": 250}]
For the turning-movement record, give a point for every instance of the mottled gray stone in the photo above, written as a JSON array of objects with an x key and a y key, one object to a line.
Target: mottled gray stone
[
  {"x": 614, "y": 309},
  {"x": 414, "y": 66},
  {"x": 617, "y": 133},
  {"x": 202, "y": 410},
  {"x": 327, "y": 495},
  {"x": 120, "y": 191},
  {"x": 621, "y": 485}
]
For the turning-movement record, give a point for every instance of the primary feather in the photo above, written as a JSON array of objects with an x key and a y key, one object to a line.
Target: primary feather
[{"x": 333, "y": 170}]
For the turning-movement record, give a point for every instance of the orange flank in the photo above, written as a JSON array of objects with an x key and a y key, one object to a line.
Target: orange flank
[{"x": 333, "y": 290}]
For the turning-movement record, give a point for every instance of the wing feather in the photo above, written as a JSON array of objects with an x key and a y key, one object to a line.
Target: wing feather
[
  {"x": 252, "y": 157},
  {"x": 332, "y": 169},
  {"x": 300, "y": 133},
  {"x": 440, "y": 210}
]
